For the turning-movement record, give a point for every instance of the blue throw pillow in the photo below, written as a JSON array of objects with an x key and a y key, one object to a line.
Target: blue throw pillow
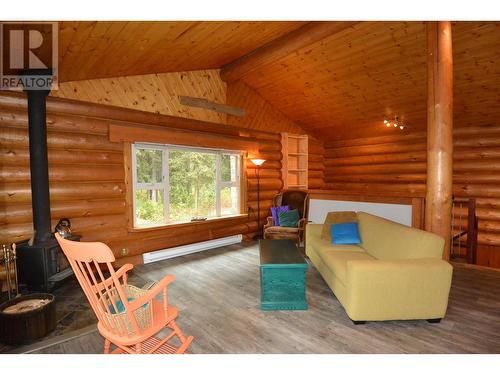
[
  {"x": 121, "y": 308},
  {"x": 345, "y": 233}
]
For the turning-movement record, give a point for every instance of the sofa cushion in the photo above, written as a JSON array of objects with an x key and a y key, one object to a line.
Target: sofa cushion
[
  {"x": 336, "y": 261},
  {"x": 324, "y": 248},
  {"x": 387, "y": 240},
  {"x": 334, "y": 218}
]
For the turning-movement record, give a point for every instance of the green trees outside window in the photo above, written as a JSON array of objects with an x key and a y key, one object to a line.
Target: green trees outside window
[
  {"x": 192, "y": 185},
  {"x": 174, "y": 184}
]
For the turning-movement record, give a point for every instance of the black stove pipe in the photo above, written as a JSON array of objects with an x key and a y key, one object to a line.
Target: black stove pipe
[{"x": 39, "y": 164}]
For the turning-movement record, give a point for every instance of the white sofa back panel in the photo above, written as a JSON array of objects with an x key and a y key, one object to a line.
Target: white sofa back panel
[{"x": 400, "y": 213}]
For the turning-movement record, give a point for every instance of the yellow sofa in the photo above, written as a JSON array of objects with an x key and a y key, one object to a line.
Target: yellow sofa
[{"x": 396, "y": 273}]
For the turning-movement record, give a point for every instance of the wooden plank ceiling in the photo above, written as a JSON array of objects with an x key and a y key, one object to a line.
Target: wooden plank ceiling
[
  {"x": 91, "y": 50},
  {"x": 340, "y": 87}
]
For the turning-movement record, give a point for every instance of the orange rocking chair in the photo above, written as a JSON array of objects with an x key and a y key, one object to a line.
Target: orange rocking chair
[{"x": 128, "y": 317}]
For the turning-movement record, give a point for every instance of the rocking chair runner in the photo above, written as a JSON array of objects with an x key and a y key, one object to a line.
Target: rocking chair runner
[{"x": 128, "y": 317}]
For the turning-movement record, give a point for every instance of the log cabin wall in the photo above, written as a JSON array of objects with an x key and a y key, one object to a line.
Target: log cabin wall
[
  {"x": 159, "y": 93},
  {"x": 87, "y": 179},
  {"x": 87, "y": 170},
  {"x": 316, "y": 164},
  {"x": 396, "y": 166}
]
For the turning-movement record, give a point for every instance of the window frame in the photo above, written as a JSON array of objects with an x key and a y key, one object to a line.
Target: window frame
[{"x": 164, "y": 184}]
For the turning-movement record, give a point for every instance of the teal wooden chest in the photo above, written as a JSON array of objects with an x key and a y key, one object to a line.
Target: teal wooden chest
[{"x": 282, "y": 276}]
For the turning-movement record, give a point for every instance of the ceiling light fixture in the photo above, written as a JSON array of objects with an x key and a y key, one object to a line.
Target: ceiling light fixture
[{"x": 395, "y": 123}]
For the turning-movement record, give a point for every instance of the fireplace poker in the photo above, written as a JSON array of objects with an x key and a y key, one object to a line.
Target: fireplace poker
[
  {"x": 14, "y": 258},
  {"x": 6, "y": 256}
]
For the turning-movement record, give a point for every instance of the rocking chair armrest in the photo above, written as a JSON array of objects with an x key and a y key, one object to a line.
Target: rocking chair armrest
[
  {"x": 109, "y": 281},
  {"x": 124, "y": 269},
  {"x": 152, "y": 293}
]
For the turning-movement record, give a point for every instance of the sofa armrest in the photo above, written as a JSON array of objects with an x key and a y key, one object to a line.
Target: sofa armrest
[
  {"x": 389, "y": 289},
  {"x": 313, "y": 234},
  {"x": 313, "y": 230}
]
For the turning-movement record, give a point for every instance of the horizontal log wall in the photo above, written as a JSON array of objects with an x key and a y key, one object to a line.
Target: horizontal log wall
[
  {"x": 87, "y": 179},
  {"x": 396, "y": 166},
  {"x": 316, "y": 164},
  {"x": 160, "y": 93}
]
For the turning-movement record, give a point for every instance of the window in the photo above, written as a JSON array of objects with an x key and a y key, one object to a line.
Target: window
[{"x": 176, "y": 184}]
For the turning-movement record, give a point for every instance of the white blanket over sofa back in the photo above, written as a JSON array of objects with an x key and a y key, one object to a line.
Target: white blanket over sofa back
[{"x": 400, "y": 213}]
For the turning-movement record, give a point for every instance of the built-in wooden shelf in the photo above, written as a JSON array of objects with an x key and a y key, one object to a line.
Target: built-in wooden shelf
[{"x": 295, "y": 160}]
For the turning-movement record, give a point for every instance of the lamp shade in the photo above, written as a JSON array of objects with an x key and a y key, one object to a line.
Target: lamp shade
[{"x": 258, "y": 162}]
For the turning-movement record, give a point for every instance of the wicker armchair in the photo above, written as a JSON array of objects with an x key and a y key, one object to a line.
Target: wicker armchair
[{"x": 295, "y": 199}]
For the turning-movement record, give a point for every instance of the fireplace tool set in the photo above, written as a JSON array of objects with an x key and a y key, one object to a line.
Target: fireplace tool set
[
  {"x": 8, "y": 259},
  {"x": 23, "y": 319}
]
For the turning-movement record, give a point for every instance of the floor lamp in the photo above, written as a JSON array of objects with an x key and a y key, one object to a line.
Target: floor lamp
[{"x": 258, "y": 163}]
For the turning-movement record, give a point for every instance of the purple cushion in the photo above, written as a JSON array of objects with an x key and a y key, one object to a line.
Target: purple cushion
[{"x": 275, "y": 212}]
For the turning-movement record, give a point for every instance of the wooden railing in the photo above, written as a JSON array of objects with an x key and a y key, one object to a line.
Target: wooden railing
[{"x": 470, "y": 253}]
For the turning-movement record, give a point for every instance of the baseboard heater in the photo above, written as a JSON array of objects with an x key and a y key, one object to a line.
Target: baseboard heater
[{"x": 178, "y": 251}]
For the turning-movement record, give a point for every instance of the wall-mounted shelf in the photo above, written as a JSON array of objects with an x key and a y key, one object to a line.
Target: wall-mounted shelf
[{"x": 295, "y": 161}]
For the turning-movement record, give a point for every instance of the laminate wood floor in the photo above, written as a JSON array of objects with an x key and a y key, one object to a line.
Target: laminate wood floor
[{"x": 218, "y": 294}]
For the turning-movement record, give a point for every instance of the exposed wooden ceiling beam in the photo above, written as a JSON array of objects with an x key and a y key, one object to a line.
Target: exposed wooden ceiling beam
[
  {"x": 310, "y": 33},
  {"x": 206, "y": 104}
]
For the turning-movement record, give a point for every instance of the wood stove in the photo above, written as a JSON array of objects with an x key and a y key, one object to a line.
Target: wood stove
[{"x": 40, "y": 261}]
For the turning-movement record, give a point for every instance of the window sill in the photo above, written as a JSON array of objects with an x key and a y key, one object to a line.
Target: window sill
[{"x": 186, "y": 223}]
